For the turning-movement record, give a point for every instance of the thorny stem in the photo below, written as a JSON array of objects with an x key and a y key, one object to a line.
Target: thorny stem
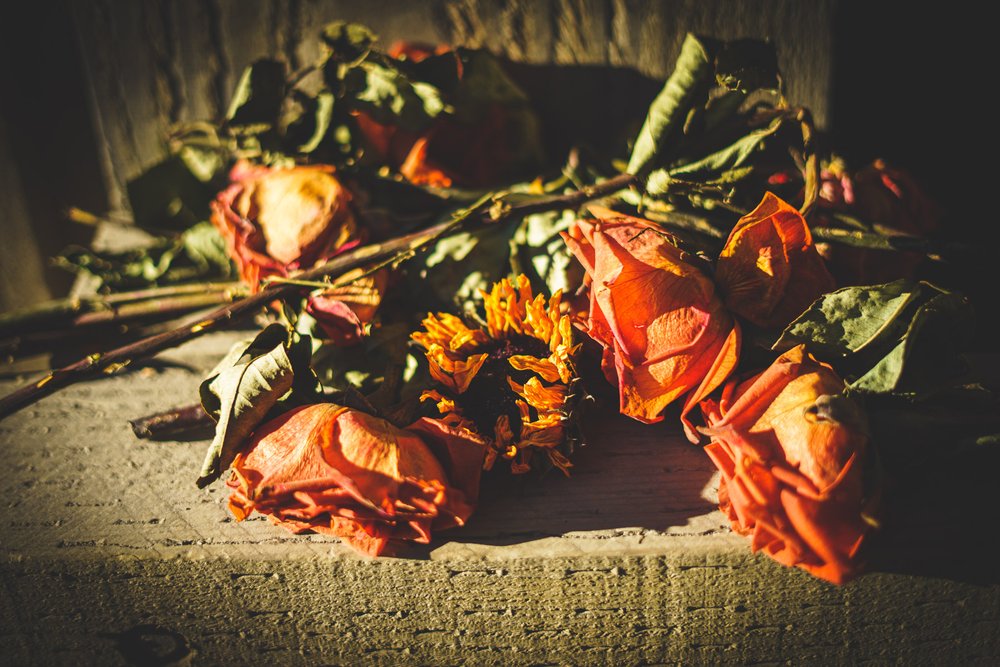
[{"x": 489, "y": 209}]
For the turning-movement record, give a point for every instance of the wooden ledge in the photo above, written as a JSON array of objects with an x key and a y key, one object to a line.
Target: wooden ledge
[{"x": 109, "y": 554}]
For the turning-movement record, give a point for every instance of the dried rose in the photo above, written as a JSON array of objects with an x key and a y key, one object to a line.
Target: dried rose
[
  {"x": 791, "y": 451},
  {"x": 769, "y": 269},
  {"x": 345, "y": 473},
  {"x": 344, "y": 312},
  {"x": 888, "y": 199},
  {"x": 279, "y": 220},
  {"x": 463, "y": 153},
  {"x": 664, "y": 330},
  {"x": 487, "y": 139}
]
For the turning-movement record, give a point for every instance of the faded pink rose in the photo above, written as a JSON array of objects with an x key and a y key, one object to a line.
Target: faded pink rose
[{"x": 276, "y": 221}]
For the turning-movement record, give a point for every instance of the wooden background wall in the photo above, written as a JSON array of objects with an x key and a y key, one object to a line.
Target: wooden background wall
[
  {"x": 88, "y": 88},
  {"x": 153, "y": 64},
  {"x": 119, "y": 73}
]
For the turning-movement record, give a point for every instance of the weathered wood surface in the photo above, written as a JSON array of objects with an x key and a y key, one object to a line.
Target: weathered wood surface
[
  {"x": 104, "y": 541},
  {"x": 154, "y": 64}
]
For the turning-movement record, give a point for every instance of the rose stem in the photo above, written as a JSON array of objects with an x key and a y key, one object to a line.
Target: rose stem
[
  {"x": 113, "y": 360},
  {"x": 112, "y": 307},
  {"x": 162, "y": 425}
]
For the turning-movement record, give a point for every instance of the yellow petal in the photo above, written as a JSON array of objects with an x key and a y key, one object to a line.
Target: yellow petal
[{"x": 544, "y": 367}]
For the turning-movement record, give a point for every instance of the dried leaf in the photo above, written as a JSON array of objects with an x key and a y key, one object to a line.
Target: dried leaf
[
  {"x": 242, "y": 390},
  {"x": 897, "y": 337},
  {"x": 347, "y": 42},
  {"x": 849, "y": 319},
  {"x": 169, "y": 195},
  {"x": 391, "y": 98},
  {"x": 691, "y": 79}
]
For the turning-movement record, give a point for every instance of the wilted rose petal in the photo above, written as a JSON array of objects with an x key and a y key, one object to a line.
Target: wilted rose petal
[
  {"x": 769, "y": 269},
  {"x": 280, "y": 220},
  {"x": 791, "y": 450},
  {"x": 343, "y": 312},
  {"x": 664, "y": 330},
  {"x": 345, "y": 473}
]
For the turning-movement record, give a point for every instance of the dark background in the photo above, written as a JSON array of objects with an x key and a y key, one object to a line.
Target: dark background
[{"x": 913, "y": 83}]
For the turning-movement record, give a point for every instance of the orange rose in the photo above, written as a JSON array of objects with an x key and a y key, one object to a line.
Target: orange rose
[
  {"x": 769, "y": 269},
  {"x": 791, "y": 451},
  {"x": 664, "y": 330},
  {"x": 345, "y": 473},
  {"x": 279, "y": 220}
]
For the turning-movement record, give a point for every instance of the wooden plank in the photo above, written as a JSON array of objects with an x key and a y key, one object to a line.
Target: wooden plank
[{"x": 103, "y": 537}]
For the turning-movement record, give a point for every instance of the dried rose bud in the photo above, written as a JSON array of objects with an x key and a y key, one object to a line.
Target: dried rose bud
[
  {"x": 769, "y": 269},
  {"x": 664, "y": 329},
  {"x": 791, "y": 450},
  {"x": 279, "y": 220},
  {"x": 344, "y": 312},
  {"x": 891, "y": 201}
]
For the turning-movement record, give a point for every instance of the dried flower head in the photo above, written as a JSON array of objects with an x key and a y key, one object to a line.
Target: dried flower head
[{"x": 511, "y": 380}]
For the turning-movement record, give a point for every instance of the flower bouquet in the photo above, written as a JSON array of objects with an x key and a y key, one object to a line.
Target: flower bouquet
[{"x": 439, "y": 299}]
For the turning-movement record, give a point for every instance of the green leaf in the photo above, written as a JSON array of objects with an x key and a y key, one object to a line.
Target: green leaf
[
  {"x": 849, "y": 319},
  {"x": 539, "y": 252},
  {"x": 897, "y": 337},
  {"x": 729, "y": 158},
  {"x": 348, "y": 42},
  {"x": 196, "y": 254},
  {"x": 457, "y": 267},
  {"x": 374, "y": 367},
  {"x": 307, "y": 131},
  {"x": 930, "y": 351},
  {"x": 246, "y": 386},
  {"x": 259, "y": 95},
  {"x": 204, "y": 163},
  {"x": 391, "y": 98},
  {"x": 687, "y": 86}
]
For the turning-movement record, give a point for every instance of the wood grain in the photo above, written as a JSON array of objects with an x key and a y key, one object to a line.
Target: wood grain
[
  {"x": 104, "y": 538},
  {"x": 154, "y": 64}
]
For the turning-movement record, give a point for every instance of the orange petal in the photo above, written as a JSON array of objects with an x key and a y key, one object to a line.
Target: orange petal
[{"x": 769, "y": 269}]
